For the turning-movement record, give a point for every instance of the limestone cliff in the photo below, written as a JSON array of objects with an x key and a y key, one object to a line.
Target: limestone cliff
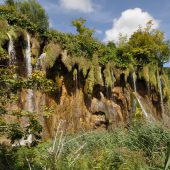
[{"x": 87, "y": 96}]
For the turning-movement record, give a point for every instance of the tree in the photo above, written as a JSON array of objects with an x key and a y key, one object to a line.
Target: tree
[
  {"x": 81, "y": 29},
  {"x": 34, "y": 11},
  {"x": 148, "y": 46},
  {"x": 10, "y": 2}
]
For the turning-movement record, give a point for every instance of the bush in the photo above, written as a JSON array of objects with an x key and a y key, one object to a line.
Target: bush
[{"x": 142, "y": 147}]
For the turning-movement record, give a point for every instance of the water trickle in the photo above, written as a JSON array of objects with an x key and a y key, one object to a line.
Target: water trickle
[
  {"x": 28, "y": 57},
  {"x": 137, "y": 97},
  {"x": 40, "y": 65},
  {"x": 142, "y": 107},
  {"x": 160, "y": 92},
  {"x": 148, "y": 87},
  {"x": 11, "y": 51},
  {"x": 113, "y": 78},
  {"x": 134, "y": 102},
  {"x": 75, "y": 78},
  {"x": 30, "y": 94},
  {"x": 134, "y": 82},
  {"x": 29, "y": 97}
]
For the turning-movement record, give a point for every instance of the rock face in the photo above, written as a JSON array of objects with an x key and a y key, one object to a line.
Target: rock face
[{"x": 105, "y": 108}]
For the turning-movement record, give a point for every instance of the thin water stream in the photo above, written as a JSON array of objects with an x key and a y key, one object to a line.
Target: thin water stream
[
  {"x": 138, "y": 98},
  {"x": 160, "y": 92},
  {"x": 11, "y": 51}
]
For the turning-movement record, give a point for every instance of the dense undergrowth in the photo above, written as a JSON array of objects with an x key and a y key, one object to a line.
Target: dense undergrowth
[{"x": 140, "y": 147}]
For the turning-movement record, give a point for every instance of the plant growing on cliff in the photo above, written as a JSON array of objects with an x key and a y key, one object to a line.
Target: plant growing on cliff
[
  {"x": 33, "y": 10},
  {"x": 149, "y": 46},
  {"x": 8, "y": 96}
]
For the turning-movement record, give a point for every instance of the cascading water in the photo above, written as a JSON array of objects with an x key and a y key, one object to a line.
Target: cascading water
[
  {"x": 160, "y": 92},
  {"x": 142, "y": 107},
  {"x": 40, "y": 65},
  {"x": 29, "y": 98},
  {"x": 11, "y": 51},
  {"x": 75, "y": 72},
  {"x": 30, "y": 94},
  {"x": 113, "y": 78},
  {"x": 134, "y": 103},
  {"x": 28, "y": 57},
  {"x": 138, "y": 99},
  {"x": 134, "y": 81}
]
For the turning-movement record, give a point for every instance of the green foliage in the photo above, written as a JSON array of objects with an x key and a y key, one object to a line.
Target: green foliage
[
  {"x": 10, "y": 2},
  {"x": 3, "y": 54},
  {"x": 81, "y": 29},
  {"x": 98, "y": 79},
  {"x": 107, "y": 53},
  {"x": 15, "y": 18},
  {"x": 108, "y": 76},
  {"x": 15, "y": 132},
  {"x": 8, "y": 96},
  {"x": 52, "y": 51},
  {"x": 166, "y": 85},
  {"x": 84, "y": 45},
  {"x": 90, "y": 82},
  {"x": 149, "y": 46},
  {"x": 3, "y": 38},
  {"x": 141, "y": 147},
  {"x": 34, "y": 11},
  {"x": 124, "y": 58}
]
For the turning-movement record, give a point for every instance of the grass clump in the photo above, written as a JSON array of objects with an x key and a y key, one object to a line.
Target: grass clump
[{"x": 141, "y": 147}]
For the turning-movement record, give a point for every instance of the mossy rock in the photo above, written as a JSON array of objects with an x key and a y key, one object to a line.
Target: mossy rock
[{"x": 52, "y": 51}]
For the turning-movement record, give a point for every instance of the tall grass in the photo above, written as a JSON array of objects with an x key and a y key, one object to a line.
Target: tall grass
[{"x": 141, "y": 147}]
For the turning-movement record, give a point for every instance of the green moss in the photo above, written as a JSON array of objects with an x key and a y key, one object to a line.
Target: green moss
[
  {"x": 52, "y": 52},
  {"x": 109, "y": 80},
  {"x": 97, "y": 71},
  {"x": 90, "y": 81},
  {"x": 126, "y": 73},
  {"x": 67, "y": 60},
  {"x": 3, "y": 31},
  {"x": 35, "y": 47},
  {"x": 144, "y": 73},
  {"x": 84, "y": 65},
  {"x": 166, "y": 86},
  {"x": 3, "y": 54}
]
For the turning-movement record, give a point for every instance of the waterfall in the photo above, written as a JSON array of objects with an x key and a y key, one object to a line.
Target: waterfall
[
  {"x": 134, "y": 102},
  {"x": 40, "y": 65},
  {"x": 29, "y": 98},
  {"x": 138, "y": 99},
  {"x": 28, "y": 57},
  {"x": 112, "y": 78},
  {"x": 11, "y": 51},
  {"x": 160, "y": 92},
  {"x": 30, "y": 94},
  {"x": 142, "y": 107},
  {"x": 75, "y": 72},
  {"x": 134, "y": 82}
]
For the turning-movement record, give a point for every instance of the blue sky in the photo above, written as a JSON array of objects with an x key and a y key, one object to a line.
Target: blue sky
[
  {"x": 101, "y": 13},
  {"x": 109, "y": 17}
]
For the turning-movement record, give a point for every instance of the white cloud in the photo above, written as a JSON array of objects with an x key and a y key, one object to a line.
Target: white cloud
[
  {"x": 85, "y": 6},
  {"x": 99, "y": 31},
  {"x": 129, "y": 21}
]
